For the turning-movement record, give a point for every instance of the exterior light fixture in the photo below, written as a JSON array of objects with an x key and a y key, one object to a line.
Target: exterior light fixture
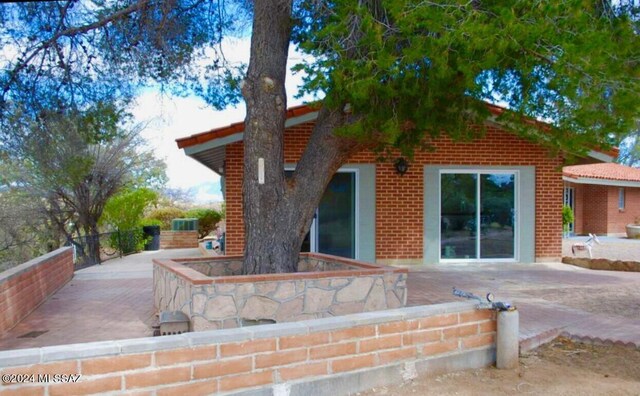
[{"x": 401, "y": 165}]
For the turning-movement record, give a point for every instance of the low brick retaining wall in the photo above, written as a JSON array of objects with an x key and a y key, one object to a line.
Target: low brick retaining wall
[
  {"x": 603, "y": 264},
  {"x": 335, "y": 356},
  {"x": 25, "y": 287},
  {"x": 213, "y": 295},
  {"x": 178, "y": 239}
]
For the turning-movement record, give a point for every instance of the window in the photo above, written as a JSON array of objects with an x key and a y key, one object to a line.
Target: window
[
  {"x": 621, "y": 198},
  {"x": 477, "y": 215}
]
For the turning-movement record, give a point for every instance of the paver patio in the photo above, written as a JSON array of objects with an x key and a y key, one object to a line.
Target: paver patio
[
  {"x": 114, "y": 300},
  {"x": 104, "y": 302}
]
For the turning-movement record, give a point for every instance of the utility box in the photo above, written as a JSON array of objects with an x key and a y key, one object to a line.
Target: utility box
[
  {"x": 190, "y": 224},
  {"x": 173, "y": 322}
]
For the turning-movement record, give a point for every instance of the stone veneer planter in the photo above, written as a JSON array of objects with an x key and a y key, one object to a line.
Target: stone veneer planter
[{"x": 213, "y": 294}]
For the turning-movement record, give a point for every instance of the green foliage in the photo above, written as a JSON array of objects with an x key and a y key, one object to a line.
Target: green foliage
[
  {"x": 127, "y": 241},
  {"x": 70, "y": 163},
  {"x": 67, "y": 54},
  {"x": 207, "y": 220},
  {"x": 165, "y": 215},
  {"x": 125, "y": 210},
  {"x": 567, "y": 217},
  {"x": 407, "y": 67},
  {"x": 147, "y": 222}
]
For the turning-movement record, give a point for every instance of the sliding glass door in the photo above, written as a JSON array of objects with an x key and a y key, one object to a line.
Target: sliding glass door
[
  {"x": 477, "y": 215},
  {"x": 333, "y": 230}
]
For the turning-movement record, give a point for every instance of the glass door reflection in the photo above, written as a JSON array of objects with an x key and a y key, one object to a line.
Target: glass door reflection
[{"x": 477, "y": 215}]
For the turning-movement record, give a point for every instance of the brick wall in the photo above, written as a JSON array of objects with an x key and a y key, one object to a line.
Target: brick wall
[
  {"x": 594, "y": 210},
  {"x": 618, "y": 219},
  {"x": 178, "y": 239},
  {"x": 437, "y": 338},
  {"x": 399, "y": 201},
  {"x": 25, "y": 287}
]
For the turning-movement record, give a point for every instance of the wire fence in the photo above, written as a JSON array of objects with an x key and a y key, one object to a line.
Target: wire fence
[{"x": 94, "y": 249}]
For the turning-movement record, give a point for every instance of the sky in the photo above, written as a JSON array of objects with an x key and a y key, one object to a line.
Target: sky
[{"x": 172, "y": 117}]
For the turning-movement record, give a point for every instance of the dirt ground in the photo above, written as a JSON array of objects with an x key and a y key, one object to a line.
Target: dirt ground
[{"x": 561, "y": 367}]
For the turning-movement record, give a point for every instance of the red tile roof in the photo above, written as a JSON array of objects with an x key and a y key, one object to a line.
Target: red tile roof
[{"x": 605, "y": 171}]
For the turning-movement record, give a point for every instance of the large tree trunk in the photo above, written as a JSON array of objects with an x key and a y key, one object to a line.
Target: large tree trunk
[{"x": 278, "y": 212}]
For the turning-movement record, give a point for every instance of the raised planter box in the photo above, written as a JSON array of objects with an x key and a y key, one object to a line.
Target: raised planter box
[
  {"x": 603, "y": 264},
  {"x": 213, "y": 294},
  {"x": 633, "y": 231}
]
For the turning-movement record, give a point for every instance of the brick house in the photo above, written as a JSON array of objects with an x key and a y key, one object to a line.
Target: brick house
[
  {"x": 427, "y": 215},
  {"x": 604, "y": 197}
]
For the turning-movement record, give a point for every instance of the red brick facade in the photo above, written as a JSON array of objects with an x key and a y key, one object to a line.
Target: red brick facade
[
  {"x": 400, "y": 200},
  {"x": 596, "y": 209}
]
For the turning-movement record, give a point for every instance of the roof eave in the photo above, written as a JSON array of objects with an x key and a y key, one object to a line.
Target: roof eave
[{"x": 600, "y": 182}]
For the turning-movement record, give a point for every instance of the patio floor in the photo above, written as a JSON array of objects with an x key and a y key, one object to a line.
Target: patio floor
[
  {"x": 114, "y": 300},
  {"x": 103, "y": 302}
]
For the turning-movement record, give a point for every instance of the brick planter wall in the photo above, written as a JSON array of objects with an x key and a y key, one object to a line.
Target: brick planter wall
[
  {"x": 336, "y": 356},
  {"x": 213, "y": 294},
  {"x": 25, "y": 287},
  {"x": 178, "y": 239}
]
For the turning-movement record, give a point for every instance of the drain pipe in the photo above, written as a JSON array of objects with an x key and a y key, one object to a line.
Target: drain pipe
[{"x": 507, "y": 343}]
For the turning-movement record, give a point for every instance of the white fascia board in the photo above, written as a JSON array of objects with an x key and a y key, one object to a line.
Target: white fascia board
[
  {"x": 301, "y": 119},
  {"x": 198, "y": 148},
  {"x": 600, "y": 156},
  {"x": 601, "y": 182},
  {"x": 236, "y": 137}
]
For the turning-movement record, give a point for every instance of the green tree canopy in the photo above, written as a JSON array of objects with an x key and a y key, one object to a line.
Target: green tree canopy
[
  {"x": 126, "y": 209},
  {"x": 406, "y": 67}
]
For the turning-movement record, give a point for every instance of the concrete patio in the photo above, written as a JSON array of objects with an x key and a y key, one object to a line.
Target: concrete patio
[{"x": 114, "y": 300}]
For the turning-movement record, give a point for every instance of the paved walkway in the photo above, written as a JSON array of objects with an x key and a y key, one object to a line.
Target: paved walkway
[
  {"x": 103, "y": 302},
  {"x": 114, "y": 300},
  {"x": 552, "y": 298},
  {"x": 612, "y": 248}
]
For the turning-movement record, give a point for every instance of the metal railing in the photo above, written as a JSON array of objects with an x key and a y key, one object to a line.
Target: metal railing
[{"x": 94, "y": 249}]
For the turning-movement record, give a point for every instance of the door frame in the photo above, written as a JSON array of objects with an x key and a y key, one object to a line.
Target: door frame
[
  {"x": 313, "y": 237},
  {"x": 569, "y": 199},
  {"x": 516, "y": 216}
]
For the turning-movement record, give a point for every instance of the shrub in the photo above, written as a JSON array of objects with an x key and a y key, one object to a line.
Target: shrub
[
  {"x": 164, "y": 216},
  {"x": 207, "y": 220},
  {"x": 567, "y": 217}
]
